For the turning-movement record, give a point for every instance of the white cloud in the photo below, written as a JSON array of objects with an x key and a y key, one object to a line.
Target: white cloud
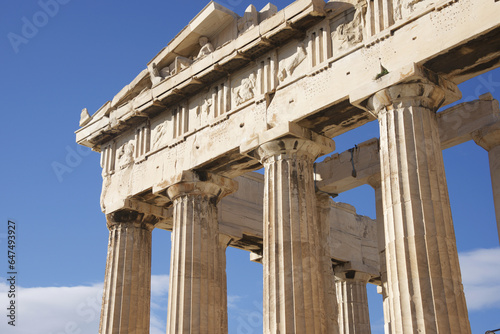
[
  {"x": 71, "y": 310},
  {"x": 76, "y": 310},
  {"x": 481, "y": 278},
  {"x": 232, "y": 301},
  {"x": 159, "y": 303}
]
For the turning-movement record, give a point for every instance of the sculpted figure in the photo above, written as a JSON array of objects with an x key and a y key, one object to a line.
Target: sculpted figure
[
  {"x": 207, "y": 104},
  {"x": 126, "y": 155},
  {"x": 156, "y": 140},
  {"x": 181, "y": 63},
  {"x": 351, "y": 33},
  {"x": 250, "y": 19},
  {"x": 287, "y": 66},
  {"x": 206, "y": 47},
  {"x": 84, "y": 117},
  {"x": 245, "y": 91},
  {"x": 404, "y": 8},
  {"x": 158, "y": 75}
]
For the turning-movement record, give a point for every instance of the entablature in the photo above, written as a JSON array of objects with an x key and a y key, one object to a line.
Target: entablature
[{"x": 311, "y": 66}]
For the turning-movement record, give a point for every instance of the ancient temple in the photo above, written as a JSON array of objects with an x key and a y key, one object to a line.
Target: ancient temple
[{"x": 231, "y": 94}]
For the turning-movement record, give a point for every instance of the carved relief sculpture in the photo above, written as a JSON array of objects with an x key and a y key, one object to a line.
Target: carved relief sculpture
[
  {"x": 351, "y": 33},
  {"x": 158, "y": 135},
  {"x": 126, "y": 155},
  {"x": 158, "y": 75},
  {"x": 84, "y": 117},
  {"x": 245, "y": 91},
  {"x": 181, "y": 63},
  {"x": 404, "y": 8},
  {"x": 207, "y": 104},
  {"x": 287, "y": 66},
  {"x": 249, "y": 20}
]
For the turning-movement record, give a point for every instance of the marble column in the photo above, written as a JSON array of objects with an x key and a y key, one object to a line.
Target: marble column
[
  {"x": 294, "y": 300},
  {"x": 489, "y": 139},
  {"x": 376, "y": 183},
  {"x": 197, "y": 300},
  {"x": 323, "y": 204},
  {"x": 127, "y": 284},
  {"x": 353, "y": 302},
  {"x": 424, "y": 281}
]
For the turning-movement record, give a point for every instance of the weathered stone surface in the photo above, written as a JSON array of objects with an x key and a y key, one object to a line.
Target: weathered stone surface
[
  {"x": 294, "y": 301},
  {"x": 229, "y": 93},
  {"x": 197, "y": 299},
  {"x": 352, "y": 299},
  {"x": 424, "y": 282},
  {"x": 194, "y": 113},
  {"x": 355, "y": 167},
  {"x": 127, "y": 284},
  {"x": 489, "y": 139}
]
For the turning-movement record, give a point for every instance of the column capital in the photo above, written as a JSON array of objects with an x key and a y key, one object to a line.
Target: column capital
[
  {"x": 488, "y": 137},
  {"x": 323, "y": 200},
  {"x": 201, "y": 183},
  {"x": 412, "y": 84},
  {"x": 375, "y": 181},
  {"x": 417, "y": 94},
  {"x": 224, "y": 240},
  {"x": 131, "y": 217},
  {"x": 284, "y": 148},
  {"x": 281, "y": 138},
  {"x": 344, "y": 274}
]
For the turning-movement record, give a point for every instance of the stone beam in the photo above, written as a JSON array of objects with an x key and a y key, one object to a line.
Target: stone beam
[
  {"x": 355, "y": 167},
  {"x": 458, "y": 124},
  {"x": 351, "y": 238}
]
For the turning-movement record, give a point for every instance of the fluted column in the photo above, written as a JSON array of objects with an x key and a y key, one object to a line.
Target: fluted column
[
  {"x": 294, "y": 300},
  {"x": 197, "y": 300},
  {"x": 323, "y": 204},
  {"x": 376, "y": 184},
  {"x": 489, "y": 139},
  {"x": 352, "y": 299},
  {"x": 424, "y": 281},
  {"x": 127, "y": 284}
]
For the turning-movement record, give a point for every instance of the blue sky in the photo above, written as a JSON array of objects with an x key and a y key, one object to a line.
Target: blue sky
[{"x": 80, "y": 56}]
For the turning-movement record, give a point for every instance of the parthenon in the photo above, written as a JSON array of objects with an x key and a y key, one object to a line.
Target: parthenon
[{"x": 271, "y": 89}]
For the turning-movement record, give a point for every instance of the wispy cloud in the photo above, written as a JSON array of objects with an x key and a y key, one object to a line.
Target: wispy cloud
[
  {"x": 481, "y": 278},
  {"x": 76, "y": 309},
  {"x": 232, "y": 301},
  {"x": 51, "y": 310}
]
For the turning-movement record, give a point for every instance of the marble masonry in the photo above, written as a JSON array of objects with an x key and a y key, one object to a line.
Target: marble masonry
[{"x": 271, "y": 89}]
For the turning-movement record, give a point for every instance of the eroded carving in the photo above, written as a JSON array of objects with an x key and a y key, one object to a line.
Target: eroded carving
[
  {"x": 158, "y": 75},
  {"x": 245, "y": 91},
  {"x": 207, "y": 104},
  {"x": 125, "y": 155},
  {"x": 249, "y": 20},
  {"x": 158, "y": 135},
  {"x": 351, "y": 33},
  {"x": 287, "y": 66},
  {"x": 84, "y": 117},
  {"x": 404, "y": 8},
  {"x": 181, "y": 63}
]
